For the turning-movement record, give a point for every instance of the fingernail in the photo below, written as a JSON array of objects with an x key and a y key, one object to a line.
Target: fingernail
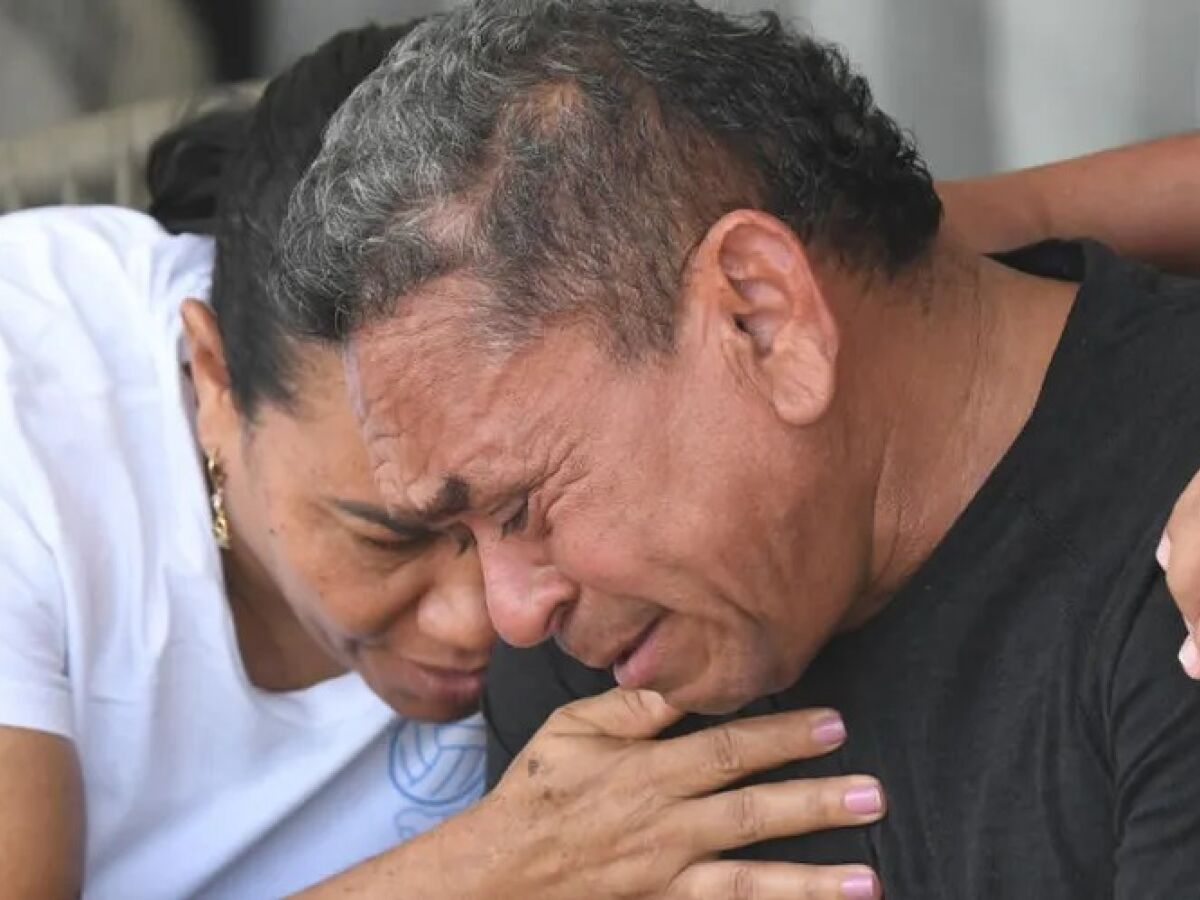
[
  {"x": 829, "y": 730},
  {"x": 1189, "y": 658},
  {"x": 859, "y": 887},
  {"x": 1163, "y": 553},
  {"x": 864, "y": 801}
]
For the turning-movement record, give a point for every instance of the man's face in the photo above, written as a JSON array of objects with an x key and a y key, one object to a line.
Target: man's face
[{"x": 656, "y": 518}]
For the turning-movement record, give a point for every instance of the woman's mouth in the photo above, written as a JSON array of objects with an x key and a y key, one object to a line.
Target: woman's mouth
[{"x": 443, "y": 684}]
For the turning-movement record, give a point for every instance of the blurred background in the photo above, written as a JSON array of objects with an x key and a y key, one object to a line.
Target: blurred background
[{"x": 983, "y": 84}]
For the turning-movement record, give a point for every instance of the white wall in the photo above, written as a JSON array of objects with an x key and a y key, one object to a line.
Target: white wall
[
  {"x": 984, "y": 84},
  {"x": 988, "y": 84},
  {"x": 293, "y": 27}
]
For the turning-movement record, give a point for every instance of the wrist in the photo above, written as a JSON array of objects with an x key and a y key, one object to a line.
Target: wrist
[
  {"x": 473, "y": 854},
  {"x": 997, "y": 212},
  {"x": 1033, "y": 193}
]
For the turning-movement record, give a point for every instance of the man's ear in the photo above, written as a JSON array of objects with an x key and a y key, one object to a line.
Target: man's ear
[
  {"x": 770, "y": 311},
  {"x": 216, "y": 411}
]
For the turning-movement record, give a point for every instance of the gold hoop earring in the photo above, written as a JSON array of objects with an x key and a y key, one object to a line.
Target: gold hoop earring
[{"x": 216, "y": 484}]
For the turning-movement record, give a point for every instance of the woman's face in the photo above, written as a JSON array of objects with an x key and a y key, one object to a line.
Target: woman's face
[{"x": 405, "y": 610}]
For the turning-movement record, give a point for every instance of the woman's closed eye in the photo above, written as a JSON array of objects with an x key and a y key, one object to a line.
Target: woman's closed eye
[
  {"x": 371, "y": 527},
  {"x": 395, "y": 544}
]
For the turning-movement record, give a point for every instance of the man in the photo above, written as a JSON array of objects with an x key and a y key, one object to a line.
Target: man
[{"x": 743, "y": 425}]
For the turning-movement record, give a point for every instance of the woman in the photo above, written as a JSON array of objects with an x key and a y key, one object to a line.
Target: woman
[{"x": 224, "y": 670}]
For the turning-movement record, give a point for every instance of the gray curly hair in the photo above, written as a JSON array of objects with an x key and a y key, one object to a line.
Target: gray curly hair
[{"x": 568, "y": 154}]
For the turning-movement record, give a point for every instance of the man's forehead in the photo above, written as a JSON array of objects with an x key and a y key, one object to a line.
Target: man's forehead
[
  {"x": 438, "y": 439},
  {"x": 401, "y": 356},
  {"x": 443, "y": 416},
  {"x": 434, "y": 498}
]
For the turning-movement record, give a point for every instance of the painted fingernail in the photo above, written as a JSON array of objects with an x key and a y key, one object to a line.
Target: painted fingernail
[
  {"x": 864, "y": 801},
  {"x": 829, "y": 730},
  {"x": 860, "y": 887},
  {"x": 1163, "y": 553},
  {"x": 1189, "y": 658}
]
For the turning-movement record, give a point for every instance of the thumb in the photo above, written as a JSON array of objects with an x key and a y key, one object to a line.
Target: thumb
[{"x": 621, "y": 713}]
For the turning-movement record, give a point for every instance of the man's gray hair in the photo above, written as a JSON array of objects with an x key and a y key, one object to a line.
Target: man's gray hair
[{"x": 566, "y": 155}]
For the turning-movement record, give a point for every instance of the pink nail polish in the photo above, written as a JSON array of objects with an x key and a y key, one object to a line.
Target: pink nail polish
[
  {"x": 829, "y": 730},
  {"x": 860, "y": 887},
  {"x": 864, "y": 801},
  {"x": 1189, "y": 658},
  {"x": 1163, "y": 553}
]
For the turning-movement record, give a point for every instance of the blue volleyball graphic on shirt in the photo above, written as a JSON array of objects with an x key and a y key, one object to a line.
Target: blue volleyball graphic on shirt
[{"x": 438, "y": 767}]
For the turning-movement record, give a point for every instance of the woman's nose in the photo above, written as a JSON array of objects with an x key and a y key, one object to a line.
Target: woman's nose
[{"x": 454, "y": 611}]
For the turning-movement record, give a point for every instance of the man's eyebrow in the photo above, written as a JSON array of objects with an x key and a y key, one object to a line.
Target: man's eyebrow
[
  {"x": 377, "y": 515},
  {"x": 453, "y": 499}
]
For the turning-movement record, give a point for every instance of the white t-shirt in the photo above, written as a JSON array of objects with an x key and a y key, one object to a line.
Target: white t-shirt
[{"x": 114, "y": 627}]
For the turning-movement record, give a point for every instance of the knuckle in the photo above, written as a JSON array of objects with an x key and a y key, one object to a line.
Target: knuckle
[
  {"x": 724, "y": 750},
  {"x": 575, "y": 709},
  {"x": 684, "y": 886},
  {"x": 570, "y": 719},
  {"x": 746, "y": 815},
  {"x": 561, "y": 715},
  {"x": 818, "y": 889},
  {"x": 831, "y": 804},
  {"x": 742, "y": 885},
  {"x": 635, "y": 703},
  {"x": 819, "y": 804}
]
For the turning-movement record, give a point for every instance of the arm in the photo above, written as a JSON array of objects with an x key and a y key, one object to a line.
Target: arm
[
  {"x": 1144, "y": 200},
  {"x": 41, "y": 826},
  {"x": 41, "y": 792}
]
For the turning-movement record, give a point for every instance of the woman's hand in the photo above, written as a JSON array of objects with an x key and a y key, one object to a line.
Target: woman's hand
[
  {"x": 592, "y": 808},
  {"x": 1179, "y": 555}
]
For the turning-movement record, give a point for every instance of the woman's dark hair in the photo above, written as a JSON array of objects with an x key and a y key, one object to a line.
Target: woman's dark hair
[
  {"x": 230, "y": 173},
  {"x": 184, "y": 169}
]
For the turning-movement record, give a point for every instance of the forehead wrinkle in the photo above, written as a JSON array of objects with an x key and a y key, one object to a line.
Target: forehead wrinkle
[
  {"x": 414, "y": 437},
  {"x": 488, "y": 420}
]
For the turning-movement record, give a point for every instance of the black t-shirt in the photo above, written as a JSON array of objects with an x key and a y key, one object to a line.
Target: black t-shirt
[{"x": 1020, "y": 697}]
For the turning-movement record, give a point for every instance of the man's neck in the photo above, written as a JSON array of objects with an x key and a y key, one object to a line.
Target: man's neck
[{"x": 959, "y": 370}]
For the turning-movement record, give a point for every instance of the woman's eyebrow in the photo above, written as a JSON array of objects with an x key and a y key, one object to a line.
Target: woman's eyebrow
[{"x": 377, "y": 515}]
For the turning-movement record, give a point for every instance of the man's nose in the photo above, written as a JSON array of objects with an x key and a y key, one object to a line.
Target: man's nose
[{"x": 525, "y": 594}]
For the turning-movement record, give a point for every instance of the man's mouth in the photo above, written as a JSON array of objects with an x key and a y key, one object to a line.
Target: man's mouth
[
  {"x": 627, "y": 660},
  {"x": 637, "y": 664}
]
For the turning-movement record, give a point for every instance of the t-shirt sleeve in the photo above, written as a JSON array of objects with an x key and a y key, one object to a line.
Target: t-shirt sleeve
[
  {"x": 1153, "y": 724},
  {"x": 35, "y": 691},
  {"x": 523, "y": 688}
]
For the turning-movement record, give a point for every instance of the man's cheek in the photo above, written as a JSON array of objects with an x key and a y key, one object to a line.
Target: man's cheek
[{"x": 597, "y": 559}]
